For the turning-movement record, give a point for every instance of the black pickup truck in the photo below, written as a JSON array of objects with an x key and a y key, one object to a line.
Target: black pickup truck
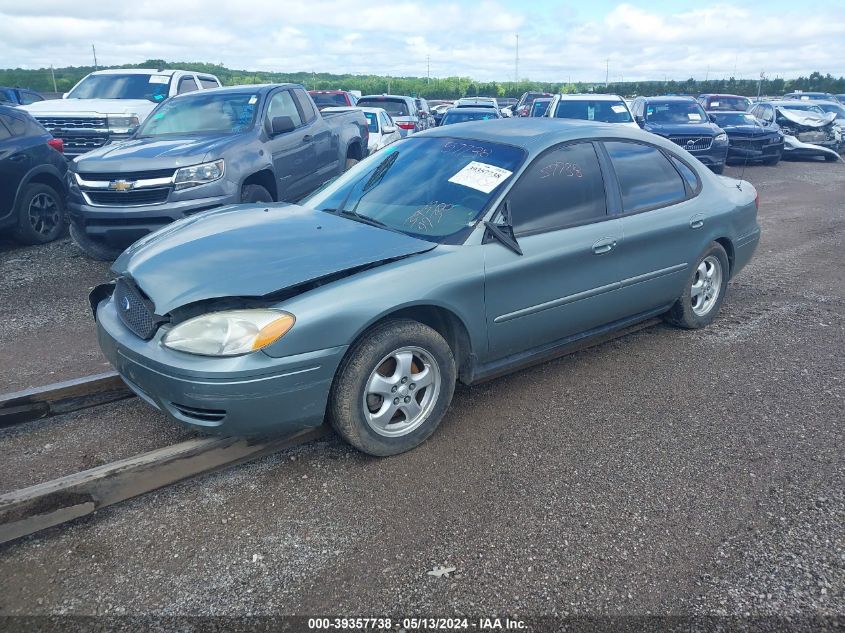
[{"x": 206, "y": 149}]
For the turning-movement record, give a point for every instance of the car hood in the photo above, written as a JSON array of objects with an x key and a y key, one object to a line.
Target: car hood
[
  {"x": 92, "y": 107},
  {"x": 152, "y": 153},
  {"x": 805, "y": 118},
  {"x": 683, "y": 129},
  {"x": 253, "y": 251}
]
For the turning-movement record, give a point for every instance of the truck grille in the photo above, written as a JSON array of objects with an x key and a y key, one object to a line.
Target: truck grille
[
  {"x": 130, "y": 176},
  {"x": 128, "y": 198},
  {"x": 134, "y": 310},
  {"x": 76, "y": 145},
  {"x": 73, "y": 123},
  {"x": 692, "y": 143}
]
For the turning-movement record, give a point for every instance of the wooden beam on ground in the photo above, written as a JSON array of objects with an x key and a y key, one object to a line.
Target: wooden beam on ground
[
  {"x": 62, "y": 397},
  {"x": 45, "y": 505}
]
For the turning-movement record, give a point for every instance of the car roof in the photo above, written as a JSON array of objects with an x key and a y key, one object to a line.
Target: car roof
[
  {"x": 332, "y": 92},
  {"x": 535, "y": 134},
  {"x": 590, "y": 97},
  {"x": 468, "y": 109},
  {"x": 259, "y": 88},
  {"x": 722, "y": 95},
  {"x": 786, "y": 103},
  {"x": 139, "y": 71},
  {"x": 670, "y": 98},
  {"x": 387, "y": 97}
]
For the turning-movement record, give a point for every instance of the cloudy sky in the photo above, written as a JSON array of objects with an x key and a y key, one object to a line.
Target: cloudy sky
[{"x": 558, "y": 40}]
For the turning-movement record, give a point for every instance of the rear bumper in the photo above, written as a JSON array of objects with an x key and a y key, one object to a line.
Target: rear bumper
[
  {"x": 246, "y": 395},
  {"x": 765, "y": 152}
]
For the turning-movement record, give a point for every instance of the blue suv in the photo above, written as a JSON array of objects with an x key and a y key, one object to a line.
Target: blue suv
[{"x": 683, "y": 121}]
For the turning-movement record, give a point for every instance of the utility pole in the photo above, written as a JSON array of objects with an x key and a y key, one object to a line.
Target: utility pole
[
  {"x": 52, "y": 72},
  {"x": 428, "y": 69},
  {"x": 516, "y": 61},
  {"x": 606, "y": 72},
  {"x": 760, "y": 84},
  {"x": 94, "y": 50}
]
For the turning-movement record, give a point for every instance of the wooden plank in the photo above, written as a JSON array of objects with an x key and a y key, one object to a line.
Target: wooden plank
[
  {"x": 62, "y": 397},
  {"x": 45, "y": 505}
]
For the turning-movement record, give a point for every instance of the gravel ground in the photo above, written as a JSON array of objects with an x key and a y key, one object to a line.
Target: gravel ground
[{"x": 666, "y": 473}]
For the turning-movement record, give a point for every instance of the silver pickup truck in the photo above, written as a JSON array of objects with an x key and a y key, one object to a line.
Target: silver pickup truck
[{"x": 207, "y": 149}]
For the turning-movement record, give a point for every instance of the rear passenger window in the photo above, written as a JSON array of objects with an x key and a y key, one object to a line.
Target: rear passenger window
[
  {"x": 28, "y": 97},
  {"x": 687, "y": 174},
  {"x": 17, "y": 126},
  {"x": 305, "y": 106},
  {"x": 186, "y": 84},
  {"x": 647, "y": 179},
  {"x": 4, "y": 133},
  {"x": 561, "y": 188}
]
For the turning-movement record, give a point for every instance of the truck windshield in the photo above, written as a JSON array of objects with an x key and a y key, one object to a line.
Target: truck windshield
[
  {"x": 198, "y": 113},
  {"x": 590, "y": 110},
  {"x": 677, "y": 112},
  {"x": 132, "y": 86},
  {"x": 432, "y": 188},
  {"x": 394, "y": 107}
]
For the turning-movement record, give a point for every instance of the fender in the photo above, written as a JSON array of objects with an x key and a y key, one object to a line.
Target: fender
[{"x": 32, "y": 173}]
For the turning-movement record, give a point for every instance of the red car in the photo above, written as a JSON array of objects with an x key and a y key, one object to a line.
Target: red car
[{"x": 332, "y": 98}]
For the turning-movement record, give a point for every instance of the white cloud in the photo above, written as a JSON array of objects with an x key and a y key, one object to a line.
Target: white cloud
[{"x": 460, "y": 38}]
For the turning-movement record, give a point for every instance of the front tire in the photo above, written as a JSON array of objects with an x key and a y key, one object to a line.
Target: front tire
[
  {"x": 393, "y": 388},
  {"x": 41, "y": 215},
  {"x": 704, "y": 291},
  {"x": 95, "y": 249},
  {"x": 255, "y": 194}
]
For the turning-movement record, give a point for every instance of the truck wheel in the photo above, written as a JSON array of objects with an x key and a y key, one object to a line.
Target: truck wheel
[
  {"x": 41, "y": 215},
  {"x": 830, "y": 158},
  {"x": 392, "y": 388},
  {"x": 95, "y": 249},
  {"x": 255, "y": 193},
  {"x": 351, "y": 162}
]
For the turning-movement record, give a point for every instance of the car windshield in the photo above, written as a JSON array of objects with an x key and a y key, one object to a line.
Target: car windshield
[
  {"x": 130, "y": 86},
  {"x": 593, "y": 110},
  {"x": 326, "y": 99},
  {"x": 372, "y": 121},
  {"x": 432, "y": 188},
  {"x": 678, "y": 112},
  {"x": 734, "y": 118},
  {"x": 216, "y": 113},
  {"x": 539, "y": 107},
  {"x": 728, "y": 103},
  {"x": 394, "y": 107},
  {"x": 457, "y": 116}
]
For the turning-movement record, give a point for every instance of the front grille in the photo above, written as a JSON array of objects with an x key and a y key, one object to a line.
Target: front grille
[
  {"x": 134, "y": 309},
  {"x": 128, "y": 198},
  {"x": 202, "y": 415},
  {"x": 73, "y": 123},
  {"x": 80, "y": 144},
  {"x": 745, "y": 143},
  {"x": 693, "y": 143},
  {"x": 130, "y": 176}
]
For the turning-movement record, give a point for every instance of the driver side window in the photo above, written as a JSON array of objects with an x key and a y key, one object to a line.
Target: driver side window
[{"x": 282, "y": 104}]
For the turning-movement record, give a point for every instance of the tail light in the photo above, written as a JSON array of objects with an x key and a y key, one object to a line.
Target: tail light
[
  {"x": 406, "y": 125},
  {"x": 57, "y": 144}
]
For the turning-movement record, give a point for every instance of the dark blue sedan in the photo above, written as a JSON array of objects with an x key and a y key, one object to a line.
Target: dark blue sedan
[{"x": 749, "y": 140}]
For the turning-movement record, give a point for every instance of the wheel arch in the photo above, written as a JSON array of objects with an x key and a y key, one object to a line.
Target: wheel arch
[
  {"x": 42, "y": 175},
  {"x": 265, "y": 178},
  {"x": 727, "y": 244},
  {"x": 354, "y": 150},
  {"x": 442, "y": 320}
]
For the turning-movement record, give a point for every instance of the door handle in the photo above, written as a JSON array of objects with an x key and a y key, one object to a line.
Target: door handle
[
  {"x": 18, "y": 158},
  {"x": 307, "y": 138},
  {"x": 696, "y": 222},
  {"x": 604, "y": 245}
]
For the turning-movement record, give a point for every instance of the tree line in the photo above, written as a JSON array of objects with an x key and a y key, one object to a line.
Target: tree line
[{"x": 434, "y": 87}]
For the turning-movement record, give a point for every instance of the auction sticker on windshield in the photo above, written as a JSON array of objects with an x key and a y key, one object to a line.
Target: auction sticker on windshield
[
  {"x": 694, "y": 116},
  {"x": 480, "y": 176},
  {"x": 618, "y": 109},
  {"x": 159, "y": 79}
]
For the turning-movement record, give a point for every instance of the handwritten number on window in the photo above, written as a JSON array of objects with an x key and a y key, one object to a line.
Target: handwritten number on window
[{"x": 561, "y": 168}]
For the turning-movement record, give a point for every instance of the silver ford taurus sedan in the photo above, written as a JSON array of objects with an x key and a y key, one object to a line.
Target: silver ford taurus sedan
[{"x": 457, "y": 254}]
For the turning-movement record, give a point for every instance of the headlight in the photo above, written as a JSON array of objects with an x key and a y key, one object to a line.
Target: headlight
[
  {"x": 722, "y": 137},
  {"x": 199, "y": 174},
  {"x": 229, "y": 333},
  {"x": 122, "y": 124}
]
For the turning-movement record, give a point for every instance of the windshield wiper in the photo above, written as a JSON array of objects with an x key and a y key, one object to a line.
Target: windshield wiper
[{"x": 351, "y": 213}]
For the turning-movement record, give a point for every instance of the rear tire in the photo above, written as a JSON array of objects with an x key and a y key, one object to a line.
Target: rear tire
[
  {"x": 255, "y": 194},
  {"x": 350, "y": 163},
  {"x": 704, "y": 290},
  {"x": 40, "y": 215},
  {"x": 413, "y": 367},
  {"x": 772, "y": 161},
  {"x": 95, "y": 249}
]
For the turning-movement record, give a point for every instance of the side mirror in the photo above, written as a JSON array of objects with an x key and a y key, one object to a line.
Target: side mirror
[
  {"x": 712, "y": 118},
  {"x": 281, "y": 125},
  {"x": 388, "y": 129},
  {"x": 64, "y": 95},
  {"x": 640, "y": 120}
]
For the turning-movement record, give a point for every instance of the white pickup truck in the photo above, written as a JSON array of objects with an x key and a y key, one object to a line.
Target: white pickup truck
[{"x": 107, "y": 105}]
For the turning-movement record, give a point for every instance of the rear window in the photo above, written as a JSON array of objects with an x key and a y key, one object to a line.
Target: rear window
[
  {"x": 463, "y": 117},
  {"x": 589, "y": 110},
  {"x": 675, "y": 112},
  {"x": 372, "y": 121},
  {"x": 394, "y": 107},
  {"x": 329, "y": 99}
]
